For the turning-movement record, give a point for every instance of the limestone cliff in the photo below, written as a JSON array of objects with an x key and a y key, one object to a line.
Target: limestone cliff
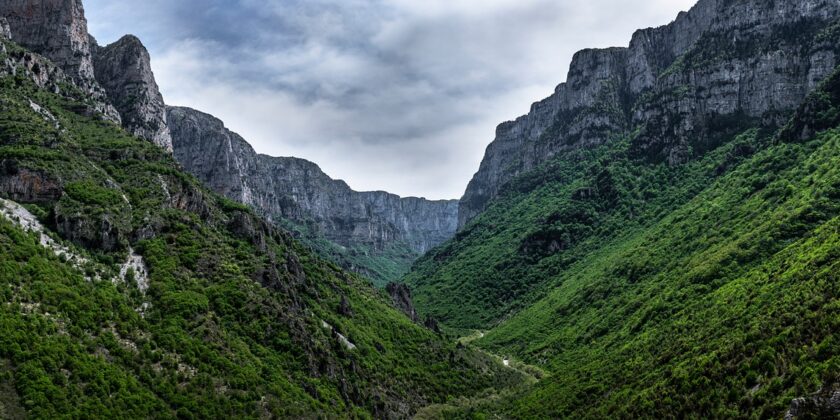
[
  {"x": 721, "y": 63},
  {"x": 5, "y": 29},
  {"x": 124, "y": 69},
  {"x": 294, "y": 189},
  {"x": 118, "y": 79},
  {"x": 57, "y": 29}
]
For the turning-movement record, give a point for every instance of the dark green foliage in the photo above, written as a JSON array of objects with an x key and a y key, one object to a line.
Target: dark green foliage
[
  {"x": 232, "y": 324},
  {"x": 547, "y": 220},
  {"x": 92, "y": 194},
  {"x": 820, "y": 111},
  {"x": 381, "y": 266},
  {"x": 704, "y": 290}
]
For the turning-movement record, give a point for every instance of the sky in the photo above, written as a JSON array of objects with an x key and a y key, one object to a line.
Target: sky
[{"x": 395, "y": 95}]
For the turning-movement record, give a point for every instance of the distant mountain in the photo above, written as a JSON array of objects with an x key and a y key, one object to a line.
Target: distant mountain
[{"x": 374, "y": 233}]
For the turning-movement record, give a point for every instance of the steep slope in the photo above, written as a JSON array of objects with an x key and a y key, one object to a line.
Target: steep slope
[
  {"x": 721, "y": 63},
  {"x": 727, "y": 307},
  {"x": 746, "y": 65},
  {"x": 118, "y": 78},
  {"x": 671, "y": 253},
  {"x": 124, "y": 70},
  {"x": 374, "y": 233},
  {"x": 131, "y": 291}
]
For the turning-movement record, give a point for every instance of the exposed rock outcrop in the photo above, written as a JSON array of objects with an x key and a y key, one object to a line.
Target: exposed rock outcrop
[
  {"x": 823, "y": 405},
  {"x": 5, "y": 30},
  {"x": 57, "y": 29},
  {"x": 124, "y": 69},
  {"x": 117, "y": 78},
  {"x": 20, "y": 216},
  {"x": 401, "y": 297},
  {"x": 27, "y": 186},
  {"x": 296, "y": 189},
  {"x": 41, "y": 71},
  {"x": 721, "y": 63}
]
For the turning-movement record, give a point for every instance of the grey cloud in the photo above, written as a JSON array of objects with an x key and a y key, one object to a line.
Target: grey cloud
[{"x": 400, "y": 95}]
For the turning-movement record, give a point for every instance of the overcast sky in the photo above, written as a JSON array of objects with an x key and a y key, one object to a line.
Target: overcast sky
[{"x": 394, "y": 95}]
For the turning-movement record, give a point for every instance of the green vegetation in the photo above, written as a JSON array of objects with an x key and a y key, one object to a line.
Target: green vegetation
[
  {"x": 548, "y": 219},
  {"x": 708, "y": 289},
  {"x": 381, "y": 266},
  {"x": 613, "y": 286},
  {"x": 239, "y": 320}
]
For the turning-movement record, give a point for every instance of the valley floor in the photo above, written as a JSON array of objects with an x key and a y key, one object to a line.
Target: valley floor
[{"x": 465, "y": 406}]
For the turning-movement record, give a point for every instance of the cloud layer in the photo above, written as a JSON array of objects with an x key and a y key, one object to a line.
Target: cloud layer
[{"x": 395, "y": 95}]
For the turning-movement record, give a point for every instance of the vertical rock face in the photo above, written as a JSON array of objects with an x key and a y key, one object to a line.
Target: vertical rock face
[
  {"x": 46, "y": 75},
  {"x": 117, "y": 77},
  {"x": 56, "y": 29},
  {"x": 296, "y": 189},
  {"x": 722, "y": 62},
  {"x": 124, "y": 70},
  {"x": 579, "y": 112}
]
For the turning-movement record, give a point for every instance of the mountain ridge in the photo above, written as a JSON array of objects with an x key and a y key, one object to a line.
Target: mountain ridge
[
  {"x": 131, "y": 290},
  {"x": 376, "y": 223},
  {"x": 606, "y": 91},
  {"x": 660, "y": 235},
  {"x": 118, "y": 77},
  {"x": 377, "y": 234},
  {"x": 658, "y": 239}
]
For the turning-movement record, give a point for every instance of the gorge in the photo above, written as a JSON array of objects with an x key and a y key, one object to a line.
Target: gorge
[{"x": 658, "y": 238}]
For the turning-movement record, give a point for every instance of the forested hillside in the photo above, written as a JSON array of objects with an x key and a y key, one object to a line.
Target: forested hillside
[
  {"x": 652, "y": 290},
  {"x": 726, "y": 306},
  {"x": 129, "y": 290},
  {"x": 660, "y": 236}
]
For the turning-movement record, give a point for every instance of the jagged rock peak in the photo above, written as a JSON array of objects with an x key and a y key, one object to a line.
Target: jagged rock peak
[
  {"x": 722, "y": 60},
  {"x": 57, "y": 29},
  {"x": 124, "y": 69}
]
